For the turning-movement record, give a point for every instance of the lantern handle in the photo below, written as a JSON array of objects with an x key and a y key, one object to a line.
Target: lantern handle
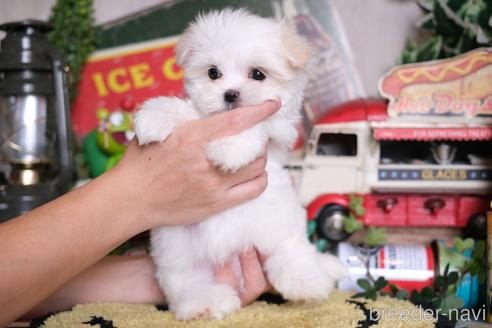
[{"x": 63, "y": 128}]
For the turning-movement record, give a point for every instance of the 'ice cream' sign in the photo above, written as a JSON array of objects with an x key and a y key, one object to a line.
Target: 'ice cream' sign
[{"x": 139, "y": 71}]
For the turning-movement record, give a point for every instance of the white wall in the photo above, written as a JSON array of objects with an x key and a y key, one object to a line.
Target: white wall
[
  {"x": 377, "y": 29},
  {"x": 106, "y": 10}
]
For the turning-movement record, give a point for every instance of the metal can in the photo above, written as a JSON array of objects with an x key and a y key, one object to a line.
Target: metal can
[
  {"x": 406, "y": 266},
  {"x": 411, "y": 267}
]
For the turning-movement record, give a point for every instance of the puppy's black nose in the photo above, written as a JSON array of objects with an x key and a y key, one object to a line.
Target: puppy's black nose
[{"x": 230, "y": 95}]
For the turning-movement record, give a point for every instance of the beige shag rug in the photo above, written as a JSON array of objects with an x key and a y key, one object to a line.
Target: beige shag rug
[{"x": 338, "y": 311}]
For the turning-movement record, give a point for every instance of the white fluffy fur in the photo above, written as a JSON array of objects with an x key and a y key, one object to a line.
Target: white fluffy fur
[{"x": 274, "y": 223}]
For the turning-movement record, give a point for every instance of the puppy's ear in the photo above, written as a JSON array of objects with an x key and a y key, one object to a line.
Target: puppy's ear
[
  {"x": 184, "y": 47},
  {"x": 296, "y": 48}
]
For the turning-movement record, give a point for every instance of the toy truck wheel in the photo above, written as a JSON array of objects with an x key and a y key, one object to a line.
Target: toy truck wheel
[
  {"x": 330, "y": 223},
  {"x": 477, "y": 226}
]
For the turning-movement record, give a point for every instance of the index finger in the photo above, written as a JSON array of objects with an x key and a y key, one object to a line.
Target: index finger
[
  {"x": 224, "y": 274},
  {"x": 255, "y": 282},
  {"x": 235, "y": 121}
]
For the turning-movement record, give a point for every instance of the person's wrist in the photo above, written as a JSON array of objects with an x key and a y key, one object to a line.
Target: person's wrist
[{"x": 122, "y": 194}]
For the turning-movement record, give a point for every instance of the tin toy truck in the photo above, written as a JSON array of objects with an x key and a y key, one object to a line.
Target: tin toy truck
[{"x": 423, "y": 160}]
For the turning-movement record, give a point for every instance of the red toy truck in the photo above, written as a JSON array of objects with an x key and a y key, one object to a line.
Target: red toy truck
[{"x": 416, "y": 161}]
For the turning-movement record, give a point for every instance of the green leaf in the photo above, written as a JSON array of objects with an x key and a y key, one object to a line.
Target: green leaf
[
  {"x": 440, "y": 282},
  {"x": 409, "y": 56},
  {"x": 458, "y": 243},
  {"x": 311, "y": 227},
  {"x": 427, "y": 5},
  {"x": 466, "y": 41},
  {"x": 469, "y": 243},
  {"x": 466, "y": 266},
  {"x": 455, "y": 5},
  {"x": 456, "y": 26},
  {"x": 402, "y": 294},
  {"x": 359, "y": 210},
  {"x": 321, "y": 244},
  {"x": 446, "y": 270},
  {"x": 380, "y": 283},
  {"x": 375, "y": 236},
  {"x": 74, "y": 35},
  {"x": 446, "y": 24},
  {"x": 364, "y": 284},
  {"x": 351, "y": 224},
  {"x": 359, "y": 295},
  {"x": 429, "y": 50},
  {"x": 470, "y": 11},
  {"x": 482, "y": 276},
  {"x": 372, "y": 295},
  {"x": 415, "y": 297},
  {"x": 427, "y": 23},
  {"x": 393, "y": 288},
  {"x": 452, "y": 278},
  {"x": 474, "y": 268},
  {"x": 479, "y": 250},
  {"x": 451, "y": 301},
  {"x": 485, "y": 21},
  {"x": 427, "y": 293},
  {"x": 356, "y": 205}
]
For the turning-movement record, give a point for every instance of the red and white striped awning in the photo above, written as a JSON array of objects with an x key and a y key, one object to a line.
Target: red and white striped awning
[{"x": 429, "y": 134}]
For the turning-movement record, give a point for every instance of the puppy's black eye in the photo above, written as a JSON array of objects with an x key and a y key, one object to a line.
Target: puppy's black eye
[
  {"x": 257, "y": 75},
  {"x": 214, "y": 73}
]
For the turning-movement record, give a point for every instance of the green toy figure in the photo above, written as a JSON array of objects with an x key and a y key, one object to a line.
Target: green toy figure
[{"x": 104, "y": 146}]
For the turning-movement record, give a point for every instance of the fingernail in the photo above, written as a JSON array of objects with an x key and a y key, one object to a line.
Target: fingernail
[
  {"x": 276, "y": 102},
  {"x": 250, "y": 252}
]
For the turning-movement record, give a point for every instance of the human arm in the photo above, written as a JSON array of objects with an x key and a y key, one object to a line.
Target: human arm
[
  {"x": 131, "y": 279},
  {"x": 118, "y": 279},
  {"x": 160, "y": 184}
]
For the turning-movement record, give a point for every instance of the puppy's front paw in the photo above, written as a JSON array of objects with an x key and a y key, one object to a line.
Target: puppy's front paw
[
  {"x": 150, "y": 126},
  {"x": 333, "y": 266},
  {"x": 214, "y": 302},
  {"x": 159, "y": 116},
  {"x": 306, "y": 282},
  {"x": 232, "y": 153}
]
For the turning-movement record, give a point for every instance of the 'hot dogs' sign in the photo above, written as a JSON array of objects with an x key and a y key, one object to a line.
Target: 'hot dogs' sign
[
  {"x": 139, "y": 71},
  {"x": 459, "y": 86}
]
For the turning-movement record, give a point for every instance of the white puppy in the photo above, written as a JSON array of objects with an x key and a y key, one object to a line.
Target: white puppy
[{"x": 232, "y": 58}]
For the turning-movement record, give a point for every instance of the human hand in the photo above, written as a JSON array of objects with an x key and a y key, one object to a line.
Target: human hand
[
  {"x": 233, "y": 152},
  {"x": 254, "y": 281},
  {"x": 173, "y": 183}
]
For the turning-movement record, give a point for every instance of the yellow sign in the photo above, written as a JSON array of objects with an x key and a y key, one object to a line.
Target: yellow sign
[{"x": 444, "y": 174}]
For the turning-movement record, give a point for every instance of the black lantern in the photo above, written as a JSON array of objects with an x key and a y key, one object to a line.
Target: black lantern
[{"x": 35, "y": 155}]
